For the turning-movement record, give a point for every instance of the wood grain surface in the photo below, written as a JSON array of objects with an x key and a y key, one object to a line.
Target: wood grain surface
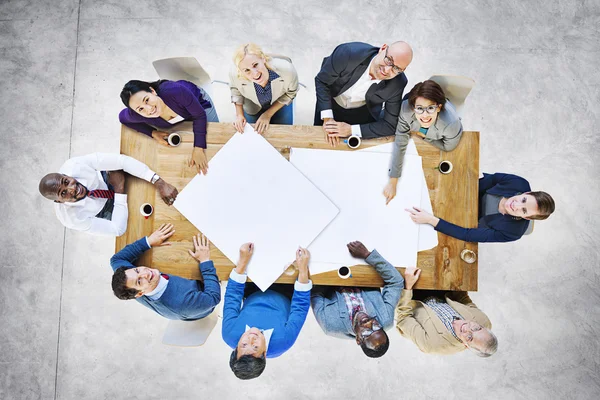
[{"x": 453, "y": 196}]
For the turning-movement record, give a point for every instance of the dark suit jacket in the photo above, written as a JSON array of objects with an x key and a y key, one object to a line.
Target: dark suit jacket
[
  {"x": 341, "y": 70},
  {"x": 501, "y": 228}
]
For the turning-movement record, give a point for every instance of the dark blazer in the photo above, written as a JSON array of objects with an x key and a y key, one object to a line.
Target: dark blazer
[
  {"x": 341, "y": 70},
  {"x": 183, "y": 299},
  {"x": 330, "y": 309},
  {"x": 500, "y": 228}
]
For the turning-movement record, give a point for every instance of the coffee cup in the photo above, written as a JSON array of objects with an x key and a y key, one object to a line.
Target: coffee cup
[
  {"x": 445, "y": 167},
  {"x": 146, "y": 210},
  {"x": 353, "y": 142},
  {"x": 344, "y": 272},
  {"x": 174, "y": 139},
  {"x": 468, "y": 256}
]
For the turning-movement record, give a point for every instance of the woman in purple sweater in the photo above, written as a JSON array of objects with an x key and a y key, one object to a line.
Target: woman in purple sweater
[{"x": 156, "y": 106}]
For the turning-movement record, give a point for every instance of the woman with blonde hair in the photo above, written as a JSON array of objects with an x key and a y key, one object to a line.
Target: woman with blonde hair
[{"x": 262, "y": 88}]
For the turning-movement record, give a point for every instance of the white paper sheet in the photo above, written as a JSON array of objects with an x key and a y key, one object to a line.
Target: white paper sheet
[
  {"x": 427, "y": 235},
  {"x": 354, "y": 182},
  {"x": 253, "y": 194}
]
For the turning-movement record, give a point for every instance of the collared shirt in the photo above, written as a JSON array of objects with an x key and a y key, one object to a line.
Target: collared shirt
[
  {"x": 354, "y": 97},
  {"x": 444, "y": 311},
  {"x": 81, "y": 215},
  {"x": 162, "y": 283},
  {"x": 241, "y": 278},
  {"x": 265, "y": 94},
  {"x": 353, "y": 298},
  {"x": 266, "y": 332}
]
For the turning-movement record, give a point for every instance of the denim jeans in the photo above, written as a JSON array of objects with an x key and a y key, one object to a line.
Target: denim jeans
[{"x": 285, "y": 115}]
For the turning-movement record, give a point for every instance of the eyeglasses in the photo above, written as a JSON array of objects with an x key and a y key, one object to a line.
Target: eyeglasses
[
  {"x": 389, "y": 61},
  {"x": 429, "y": 109},
  {"x": 374, "y": 328}
]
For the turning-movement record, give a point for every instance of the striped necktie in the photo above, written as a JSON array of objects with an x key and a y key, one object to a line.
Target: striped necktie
[{"x": 101, "y": 194}]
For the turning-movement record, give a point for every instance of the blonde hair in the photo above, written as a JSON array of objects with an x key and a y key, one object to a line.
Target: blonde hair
[{"x": 243, "y": 51}]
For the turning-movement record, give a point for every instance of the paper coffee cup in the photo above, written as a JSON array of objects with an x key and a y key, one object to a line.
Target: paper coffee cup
[
  {"x": 174, "y": 139},
  {"x": 353, "y": 142},
  {"x": 344, "y": 272},
  {"x": 146, "y": 210},
  {"x": 445, "y": 167},
  {"x": 468, "y": 256}
]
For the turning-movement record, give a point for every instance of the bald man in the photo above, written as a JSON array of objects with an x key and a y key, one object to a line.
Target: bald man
[
  {"x": 352, "y": 86},
  {"x": 89, "y": 191}
]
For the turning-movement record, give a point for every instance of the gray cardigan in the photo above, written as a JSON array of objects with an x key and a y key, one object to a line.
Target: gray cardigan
[
  {"x": 444, "y": 134},
  {"x": 330, "y": 309}
]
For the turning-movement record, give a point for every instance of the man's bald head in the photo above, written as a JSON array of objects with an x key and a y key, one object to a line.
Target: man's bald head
[
  {"x": 61, "y": 188},
  {"x": 391, "y": 60}
]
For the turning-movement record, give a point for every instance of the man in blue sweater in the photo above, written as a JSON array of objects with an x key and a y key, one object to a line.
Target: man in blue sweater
[
  {"x": 268, "y": 323},
  {"x": 168, "y": 295}
]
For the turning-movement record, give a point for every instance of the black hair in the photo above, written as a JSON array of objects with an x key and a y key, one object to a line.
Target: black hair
[
  {"x": 247, "y": 366},
  {"x": 132, "y": 87},
  {"x": 119, "y": 282},
  {"x": 379, "y": 350}
]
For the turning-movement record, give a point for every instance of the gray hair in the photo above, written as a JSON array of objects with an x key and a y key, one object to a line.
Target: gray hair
[{"x": 488, "y": 348}]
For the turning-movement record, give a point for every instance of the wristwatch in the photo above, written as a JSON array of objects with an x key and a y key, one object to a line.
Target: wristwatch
[{"x": 154, "y": 179}]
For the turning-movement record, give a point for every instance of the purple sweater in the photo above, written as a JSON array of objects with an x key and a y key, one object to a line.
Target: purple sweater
[{"x": 185, "y": 99}]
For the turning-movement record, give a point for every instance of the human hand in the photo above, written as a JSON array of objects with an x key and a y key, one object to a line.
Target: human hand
[
  {"x": 422, "y": 217},
  {"x": 411, "y": 276},
  {"x": 333, "y": 140},
  {"x": 160, "y": 235},
  {"x": 239, "y": 123},
  {"x": 201, "y": 248},
  {"x": 161, "y": 137},
  {"x": 262, "y": 123},
  {"x": 199, "y": 160},
  {"x": 358, "y": 250},
  {"x": 167, "y": 192},
  {"x": 335, "y": 130},
  {"x": 246, "y": 252},
  {"x": 390, "y": 190},
  {"x": 302, "y": 259},
  {"x": 117, "y": 180}
]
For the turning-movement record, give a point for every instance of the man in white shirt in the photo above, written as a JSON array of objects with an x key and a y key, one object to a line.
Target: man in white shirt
[
  {"x": 89, "y": 191},
  {"x": 353, "y": 85}
]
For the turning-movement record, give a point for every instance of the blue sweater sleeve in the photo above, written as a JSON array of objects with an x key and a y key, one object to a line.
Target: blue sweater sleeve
[
  {"x": 476, "y": 235},
  {"x": 129, "y": 254},
  {"x": 394, "y": 282},
  {"x": 185, "y": 98},
  {"x": 127, "y": 118},
  {"x": 298, "y": 311},
  {"x": 234, "y": 294},
  {"x": 210, "y": 297}
]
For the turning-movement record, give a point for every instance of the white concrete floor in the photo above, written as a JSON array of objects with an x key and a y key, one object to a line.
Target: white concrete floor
[{"x": 63, "y": 62}]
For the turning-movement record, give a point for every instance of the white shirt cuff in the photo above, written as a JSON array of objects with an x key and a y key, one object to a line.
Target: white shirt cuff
[
  {"x": 147, "y": 242},
  {"x": 356, "y": 131},
  {"x": 148, "y": 175},
  {"x": 326, "y": 114},
  {"x": 303, "y": 287},
  {"x": 239, "y": 278},
  {"x": 120, "y": 198}
]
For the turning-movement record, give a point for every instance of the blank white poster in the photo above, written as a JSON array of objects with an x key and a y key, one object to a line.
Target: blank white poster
[
  {"x": 354, "y": 181},
  {"x": 427, "y": 235},
  {"x": 253, "y": 194}
]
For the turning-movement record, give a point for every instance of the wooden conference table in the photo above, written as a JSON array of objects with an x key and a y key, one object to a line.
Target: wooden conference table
[{"x": 453, "y": 196}]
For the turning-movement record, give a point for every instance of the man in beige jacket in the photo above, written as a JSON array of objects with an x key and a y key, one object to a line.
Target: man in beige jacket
[{"x": 443, "y": 322}]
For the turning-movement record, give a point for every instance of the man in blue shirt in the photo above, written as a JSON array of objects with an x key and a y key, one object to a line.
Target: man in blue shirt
[
  {"x": 168, "y": 295},
  {"x": 268, "y": 323}
]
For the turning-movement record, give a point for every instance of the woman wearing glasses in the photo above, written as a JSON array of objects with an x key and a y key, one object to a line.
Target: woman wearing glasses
[
  {"x": 428, "y": 113},
  {"x": 262, "y": 88}
]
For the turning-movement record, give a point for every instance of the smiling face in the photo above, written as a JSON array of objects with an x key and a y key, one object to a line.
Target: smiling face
[
  {"x": 391, "y": 61},
  {"x": 254, "y": 69},
  {"x": 428, "y": 110},
  {"x": 471, "y": 333},
  {"x": 252, "y": 343},
  {"x": 147, "y": 104},
  {"x": 63, "y": 189},
  {"x": 142, "y": 279},
  {"x": 521, "y": 205},
  {"x": 368, "y": 330}
]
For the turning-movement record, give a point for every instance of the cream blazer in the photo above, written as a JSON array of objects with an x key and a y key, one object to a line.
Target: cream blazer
[
  {"x": 418, "y": 322},
  {"x": 284, "y": 88}
]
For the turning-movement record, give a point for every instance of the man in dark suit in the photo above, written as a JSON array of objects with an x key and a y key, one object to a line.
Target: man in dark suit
[{"x": 354, "y": 83}]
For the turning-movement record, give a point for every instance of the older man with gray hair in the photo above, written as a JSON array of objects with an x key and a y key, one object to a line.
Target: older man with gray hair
[{"x": 444, "y": 322}]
